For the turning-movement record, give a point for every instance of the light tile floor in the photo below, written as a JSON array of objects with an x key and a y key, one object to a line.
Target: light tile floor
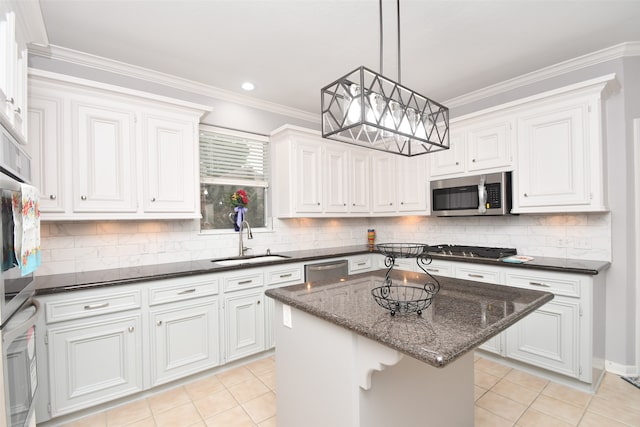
[{"x": 245, "y": 397}]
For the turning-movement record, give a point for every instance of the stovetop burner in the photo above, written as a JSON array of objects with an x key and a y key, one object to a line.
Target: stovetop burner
[{"x": 471, "y": 251}]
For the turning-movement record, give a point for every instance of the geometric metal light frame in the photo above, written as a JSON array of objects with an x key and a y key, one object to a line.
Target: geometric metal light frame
[{"x": 365, "y": 108}]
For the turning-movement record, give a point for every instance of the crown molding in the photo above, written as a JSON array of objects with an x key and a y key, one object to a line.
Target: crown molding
[
  {"x": 109, "y": 65},
  {"x": 614, "y": 52}
]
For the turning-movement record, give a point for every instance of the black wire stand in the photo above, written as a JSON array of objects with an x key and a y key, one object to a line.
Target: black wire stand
[{"x": 405, "y": 299}]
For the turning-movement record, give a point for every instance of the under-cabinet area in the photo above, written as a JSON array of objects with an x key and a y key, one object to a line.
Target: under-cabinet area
[
  {"x": 565, "y": 336},
  {"x": 101, "y": 344}
]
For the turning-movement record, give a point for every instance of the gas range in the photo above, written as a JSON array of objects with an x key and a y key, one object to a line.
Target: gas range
[{"x": 471, "y": 251}]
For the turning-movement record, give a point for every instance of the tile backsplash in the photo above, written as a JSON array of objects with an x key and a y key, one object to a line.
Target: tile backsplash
[{"x": 96, "y": 245}]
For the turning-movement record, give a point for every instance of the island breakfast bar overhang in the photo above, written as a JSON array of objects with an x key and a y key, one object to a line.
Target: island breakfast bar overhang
[{"x": 342, "y": 360}]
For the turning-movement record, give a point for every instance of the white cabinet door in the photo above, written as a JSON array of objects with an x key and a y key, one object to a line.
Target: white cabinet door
[
  {"x": 8, "y": 63},
  {"x": 47, "y": 151},
  {"x": 308, "y": 177},
  {"x": 494, "y": 345},
  {"x": 244, "y": 324},
  {"x": 451, "y": 161},
  {"x": 360, "y": 181},
  {"x": 184, "y": 339},
  {"x": 92, "y": 362},
  {"x": 548, "y": 337},
  {"x": 412, "y": 184},
  {"x": 103, "y": 158},
  {"x": 169, "y": 175},
  {"x": 336, "y": 175},
  {"x": 553, "y": 158},
  {"x": 489, "y": 146},
  {"x": 385, "y": 183}
]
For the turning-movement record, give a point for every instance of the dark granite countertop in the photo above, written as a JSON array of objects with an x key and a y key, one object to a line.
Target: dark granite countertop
[
  {"x": 463, "y": 315},
  {"x": 47, "y": 284}
]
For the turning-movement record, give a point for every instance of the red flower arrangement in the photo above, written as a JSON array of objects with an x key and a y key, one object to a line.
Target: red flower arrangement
[{"x": 239, "y": 199}]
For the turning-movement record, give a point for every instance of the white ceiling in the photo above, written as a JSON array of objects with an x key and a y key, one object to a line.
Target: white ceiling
[{"x": 292, "y": 48}]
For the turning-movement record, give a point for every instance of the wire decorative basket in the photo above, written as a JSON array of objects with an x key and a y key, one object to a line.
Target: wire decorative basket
[
  {"x": 401, "y": 250},
  {"x": 404, "y": 299}
]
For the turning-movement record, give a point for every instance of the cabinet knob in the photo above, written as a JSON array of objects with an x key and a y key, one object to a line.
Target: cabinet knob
[
  {"x": 354, "y": 204},
  {"x": 83, "y": 197},
  {"x": 344, "y": 204},
  {"x": 390, "y": 203},
  {"x": 258, "y": 302},
  {"x": 159, "y": 323},
  {"x": 18, "y": 110},
  {"x": 131, "y": 328},
  {"x": 457, "y": 163},
  {"x": 402, "y": 203},
  {"x": 153, "y": 199},
  {"x": 526, "y": 195},
  {"x": 318, "y": 203},
  {"x": 52, "y": 196},
  {"x": 473, "y": 160},
  {"x": 11, "y": 100}
]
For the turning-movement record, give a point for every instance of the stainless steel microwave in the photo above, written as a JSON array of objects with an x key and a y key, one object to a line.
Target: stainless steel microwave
[{"x": 483, "y": 195}]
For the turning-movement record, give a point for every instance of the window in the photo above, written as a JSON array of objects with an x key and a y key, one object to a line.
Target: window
[{"x": 230, "y": 161}]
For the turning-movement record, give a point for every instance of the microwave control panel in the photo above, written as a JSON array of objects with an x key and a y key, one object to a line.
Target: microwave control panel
[{"x": 493, "y": 195}]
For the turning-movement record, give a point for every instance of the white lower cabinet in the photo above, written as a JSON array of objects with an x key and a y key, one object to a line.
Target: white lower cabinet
[
  {"x": 244, "y": 324},
  {"x": 548, "y": 337},
  {"x": 94, "y": 361},
  {"x": 184, "y": 339}
]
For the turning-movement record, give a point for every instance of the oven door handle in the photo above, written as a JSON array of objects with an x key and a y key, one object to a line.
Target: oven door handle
[{"x": 8, "y": 336}]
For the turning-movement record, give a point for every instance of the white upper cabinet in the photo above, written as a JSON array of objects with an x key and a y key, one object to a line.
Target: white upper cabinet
[
  {"x": 20, "y": 23},
  {"x": 130, "y": 155},
  {"x": 317, "y": 177},
  {"x": 478, "y": 145},
  {"x": 383, "y": 168},
  {"x": 560, "y": 166},
  {"x": 167, "y": 142},
  {"x": 103, "y": 157},
  {"x": 399, "y": 184}
]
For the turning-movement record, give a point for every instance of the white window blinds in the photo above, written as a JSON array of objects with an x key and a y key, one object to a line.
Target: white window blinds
[{"x": 233, "y": 159}]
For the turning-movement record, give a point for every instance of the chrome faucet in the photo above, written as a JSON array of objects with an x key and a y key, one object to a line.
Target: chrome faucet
[{"x": 241, "y": 247}]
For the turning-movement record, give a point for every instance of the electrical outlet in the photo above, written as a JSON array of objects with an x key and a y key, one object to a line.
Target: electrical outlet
[{"x": 286, "y": 316}]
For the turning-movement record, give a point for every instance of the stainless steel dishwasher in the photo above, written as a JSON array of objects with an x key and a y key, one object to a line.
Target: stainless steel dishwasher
[{"x": 330, "y": 270}]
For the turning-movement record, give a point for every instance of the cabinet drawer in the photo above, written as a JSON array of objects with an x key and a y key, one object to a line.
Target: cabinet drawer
[
  {"x": 439, "y": 268},
  {"x": 478, "y": 274},
  {"x": 181, "y": 289},
  {"x": 91, "y": 305},
  {"x": 284, "y": 275},
  {"x": 359, "y": 264},
  {"x": 243, "y": 281},
  {"x": 557, "y": 284}
]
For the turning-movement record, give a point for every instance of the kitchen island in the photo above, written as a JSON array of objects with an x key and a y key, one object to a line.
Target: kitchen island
[{"x": 342, "y": 360}]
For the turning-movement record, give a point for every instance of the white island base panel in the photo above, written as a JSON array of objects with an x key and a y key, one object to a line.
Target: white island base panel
[{"x": 327, "y": 376}]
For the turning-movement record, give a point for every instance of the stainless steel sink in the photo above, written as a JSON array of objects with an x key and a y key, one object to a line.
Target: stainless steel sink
[{"x": 248, "y": 260}]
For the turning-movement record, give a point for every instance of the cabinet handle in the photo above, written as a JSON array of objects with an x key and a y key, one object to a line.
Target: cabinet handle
[
  {"x": 83, "y": 197},
  {"x": 477, "y": 276},
  {"x": 186, "y": 291},
  {"x": 282, "y": 276},
  {"x": 95, "y": 306},
  {"x": 18, "y": 110},
  {"x": 130, "y": 328},
  {"x": 544, "y": 285},
  {"x": 52, "y": 196},
  {"x": 159, "y": 323},
  {"x": 153, "y": 199},
  {"x": 361, "y": 263},
  {"x": 435, "y": 270},
  {"x": 245, "y": 282},
  {"x": 11, "y": 101}
]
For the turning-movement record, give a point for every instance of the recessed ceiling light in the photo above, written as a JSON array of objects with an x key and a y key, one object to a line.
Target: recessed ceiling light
[{"x": 248, "y": 86}]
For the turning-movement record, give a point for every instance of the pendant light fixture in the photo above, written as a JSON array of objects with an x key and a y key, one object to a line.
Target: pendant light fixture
[{"x": 368, "y": 109}]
